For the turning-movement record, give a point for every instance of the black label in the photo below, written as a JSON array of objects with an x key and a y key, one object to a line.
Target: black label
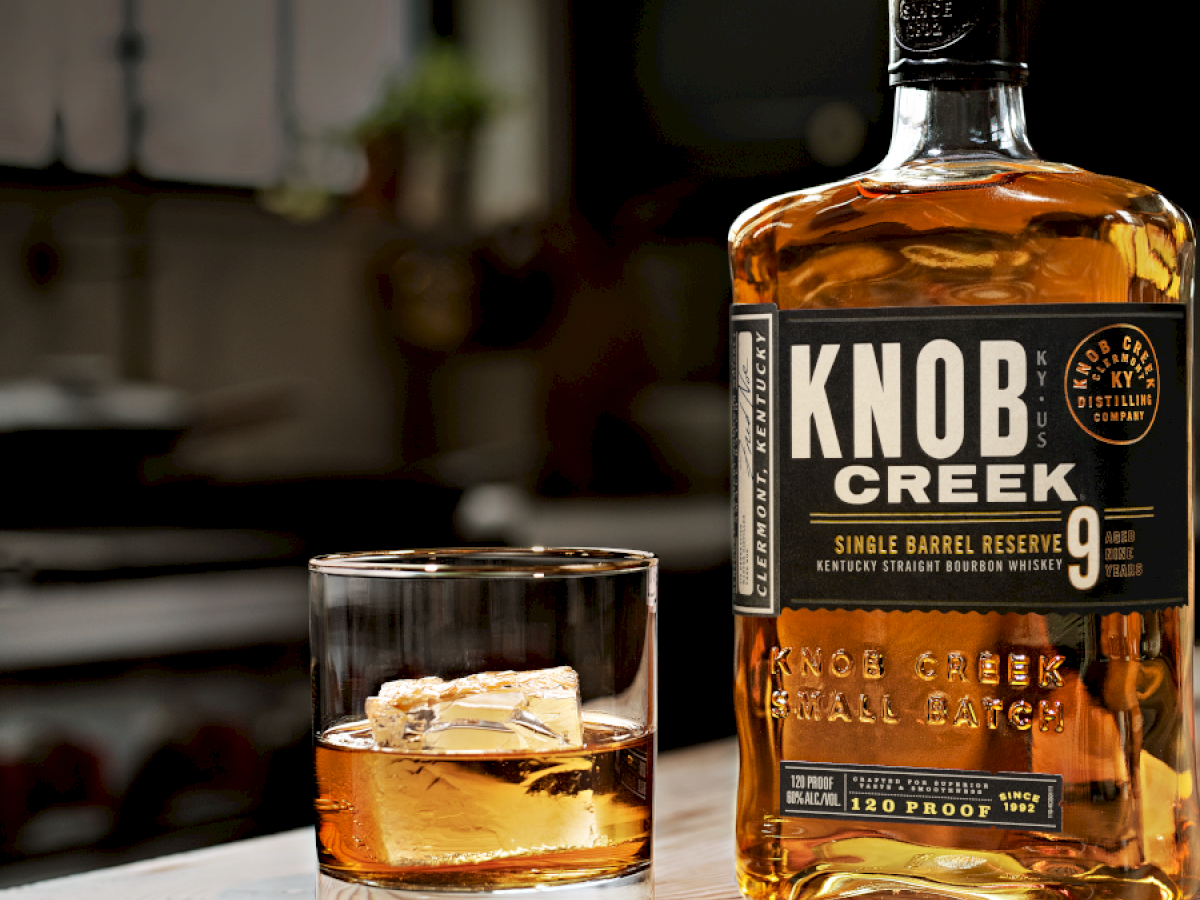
[
  {"x": 1032, "y": 802},
  {"x": 1017, "y": 458}
]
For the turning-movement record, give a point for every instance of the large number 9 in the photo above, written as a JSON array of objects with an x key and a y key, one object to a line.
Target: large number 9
[{"x": 1083, "y": 543}]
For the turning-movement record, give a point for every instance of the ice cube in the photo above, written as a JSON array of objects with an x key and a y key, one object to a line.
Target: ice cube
[{"x": 535, "y": 710}]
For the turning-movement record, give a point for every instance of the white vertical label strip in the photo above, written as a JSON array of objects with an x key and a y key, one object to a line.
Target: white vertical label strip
[
  {"x": 743, "y": 399},
  {"x": 753, "y": 379}
]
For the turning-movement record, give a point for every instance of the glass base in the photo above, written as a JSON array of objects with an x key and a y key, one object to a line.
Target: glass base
[{"x": 639, "y": 886}]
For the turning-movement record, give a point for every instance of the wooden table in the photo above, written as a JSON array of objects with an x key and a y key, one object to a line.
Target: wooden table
[{"x": 693, "y": 850}]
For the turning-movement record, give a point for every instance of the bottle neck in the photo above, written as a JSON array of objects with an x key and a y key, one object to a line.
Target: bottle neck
[{"x": 949, "y": 123}]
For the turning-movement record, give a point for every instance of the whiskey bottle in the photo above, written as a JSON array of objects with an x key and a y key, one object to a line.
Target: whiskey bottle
[{"x": 962, "y": 509}]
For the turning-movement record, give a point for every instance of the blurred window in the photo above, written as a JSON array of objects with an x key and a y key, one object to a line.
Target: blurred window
[{"x": 208, "y": 91}]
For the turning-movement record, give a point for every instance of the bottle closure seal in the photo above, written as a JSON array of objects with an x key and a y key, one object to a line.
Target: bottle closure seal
[{"x": 957, "y": 41}]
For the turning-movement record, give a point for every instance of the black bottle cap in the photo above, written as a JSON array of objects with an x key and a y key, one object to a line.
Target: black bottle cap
[{"x": 982, "y": 41}]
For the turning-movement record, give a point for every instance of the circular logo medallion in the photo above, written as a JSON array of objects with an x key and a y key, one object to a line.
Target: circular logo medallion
[
  {"x": 1112, "y": 384},
  {"x": 925, "y": 25}
]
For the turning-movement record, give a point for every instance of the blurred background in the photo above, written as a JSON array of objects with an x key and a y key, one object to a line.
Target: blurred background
[{"x": 288, "y": 277}]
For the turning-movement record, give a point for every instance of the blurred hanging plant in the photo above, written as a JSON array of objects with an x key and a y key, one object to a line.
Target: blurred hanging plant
[{"x": 442, "y": 98}]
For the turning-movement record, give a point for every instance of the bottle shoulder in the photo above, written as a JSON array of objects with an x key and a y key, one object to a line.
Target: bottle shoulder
[
  {"x": 997, "y": 230},
  {"x": 1030, "y": 188}
]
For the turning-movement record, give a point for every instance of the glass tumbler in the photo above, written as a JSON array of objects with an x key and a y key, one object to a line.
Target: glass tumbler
[{"x": 484, "y": 722}]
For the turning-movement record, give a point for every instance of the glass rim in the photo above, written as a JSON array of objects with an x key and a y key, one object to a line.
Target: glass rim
[{"x": 482, "y": 562}]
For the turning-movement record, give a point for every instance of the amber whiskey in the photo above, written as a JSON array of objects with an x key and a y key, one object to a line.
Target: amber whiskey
[
  {"x": 962, "y": 507},
  {"x": 484, "y": 821}
]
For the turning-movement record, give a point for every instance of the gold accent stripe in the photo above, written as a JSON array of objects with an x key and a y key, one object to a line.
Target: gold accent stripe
[
  {"x": 1007, "y": 515},
  {"x": 928, "y": 522}
]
